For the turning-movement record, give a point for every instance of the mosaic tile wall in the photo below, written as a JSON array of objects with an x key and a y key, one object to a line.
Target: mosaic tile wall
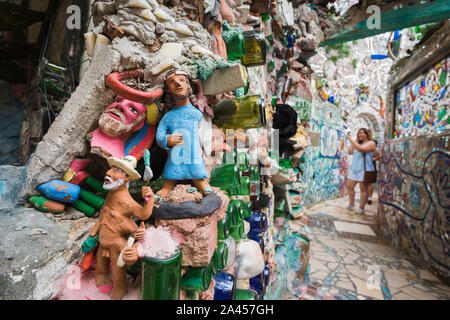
[
  {"x": 324, "y": 166},
  {"x": 422, "y": 104},
  {"x": 414, "y": 209}
]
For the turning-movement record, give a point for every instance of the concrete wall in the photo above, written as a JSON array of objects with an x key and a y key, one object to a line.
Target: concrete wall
[
  {"x": 414, "y": 210},
  {"x": 323, "y": 170}
]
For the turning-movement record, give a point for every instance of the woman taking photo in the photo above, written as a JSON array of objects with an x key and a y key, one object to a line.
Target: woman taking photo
[{"x": 362, "y": 149}]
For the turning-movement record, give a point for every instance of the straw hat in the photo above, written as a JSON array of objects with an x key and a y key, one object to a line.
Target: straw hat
[{"x": 127, "y": 164}]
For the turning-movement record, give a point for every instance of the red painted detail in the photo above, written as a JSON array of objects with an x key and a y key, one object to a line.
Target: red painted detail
[{"x": 145, "y": 97}]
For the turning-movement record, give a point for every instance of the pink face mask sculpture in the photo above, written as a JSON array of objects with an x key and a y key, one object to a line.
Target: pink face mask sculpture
[{"x": 119, "y": 120}]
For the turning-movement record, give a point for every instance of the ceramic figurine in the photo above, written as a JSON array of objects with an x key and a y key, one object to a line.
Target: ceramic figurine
[
  {"x": 115, "y": 224},
  {"x": 217, "y": 44},
  {"x": 122, "y": 130},
  {"x": 178, "y": 133}
]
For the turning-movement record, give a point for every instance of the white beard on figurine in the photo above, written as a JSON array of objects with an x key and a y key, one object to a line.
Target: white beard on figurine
[{"x": 112, "y": 184}]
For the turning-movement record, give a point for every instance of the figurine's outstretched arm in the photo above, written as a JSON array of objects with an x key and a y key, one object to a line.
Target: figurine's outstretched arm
[{"x": 143, "y": 213}]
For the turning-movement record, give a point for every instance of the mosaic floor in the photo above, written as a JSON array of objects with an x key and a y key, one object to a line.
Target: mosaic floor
[{"x": 350, "y": 260}]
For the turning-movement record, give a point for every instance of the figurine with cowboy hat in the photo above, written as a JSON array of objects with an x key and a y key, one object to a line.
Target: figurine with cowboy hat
[{"x": 115, "y": 224}]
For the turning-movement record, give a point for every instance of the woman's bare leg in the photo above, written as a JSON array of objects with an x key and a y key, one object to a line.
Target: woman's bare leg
[
  {"x": 351, "y": 191},
  {"x": 364, "y": 195},
  {"x": 370, "y": 190},
  {"x": 370, "y": 193}
]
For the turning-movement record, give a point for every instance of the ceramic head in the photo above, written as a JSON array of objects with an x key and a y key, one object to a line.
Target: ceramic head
[
  {"x": 177, "y": 83},
  {"x": 122, "y": 171},
  {"x": 122, "y": 117}
]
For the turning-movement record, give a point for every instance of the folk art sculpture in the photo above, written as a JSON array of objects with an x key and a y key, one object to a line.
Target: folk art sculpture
[
  {"x": 178, "y": 133},
  {"x": 115, "y": 224},
  {"x": 122, "y": 130}
]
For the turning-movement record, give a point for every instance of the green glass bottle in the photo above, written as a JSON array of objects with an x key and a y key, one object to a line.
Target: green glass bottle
[
  {"x": 255, "y": 49},
  {"x": 96, "y": 185},
  {"x": 242, "y": 161},
  {"x": 255, "y": 182},
  {"x": 92, "y": 199},
  {"x": 238, "y": 233},
  {"x": 222, "y": 229},
  {"x": 246, "y": 294},
  {"x": 221, "y": 255},
  {"x": 238, "y": 207},
  {"x": 232, "y": 217},
  {"x": 161, "y": 278},
  {"x": 248, "y": 207},
  {"x": 244, "y": 188},
  {"x": 240, "y": 113},
  {"x": 84, "y": 207},
  {"x": 234, "y": 191},
  {"x": 225, "y": 176},
  {"x": 212, "y": 263},
  {"x": 196, "y": 278},
  {"x": 286, "y": 163}
]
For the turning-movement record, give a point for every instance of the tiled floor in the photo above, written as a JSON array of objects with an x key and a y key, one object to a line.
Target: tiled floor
[{"x": 350, "y": 260}]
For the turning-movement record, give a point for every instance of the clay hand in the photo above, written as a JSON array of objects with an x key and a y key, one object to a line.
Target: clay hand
[
  {"x": 140, "y": 233},
  {"x": 147, "y": 192},
  {"x": 94, "y": 231},
  {"x": 130, "y": 255},
  {"x": 175, "y": 140}
]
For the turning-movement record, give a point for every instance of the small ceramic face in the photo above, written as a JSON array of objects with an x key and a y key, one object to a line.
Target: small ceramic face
[
  {"x": 114, "y": 178},
  {"x": 121, "y": 117},
  {"x": 178, "y": 85}
]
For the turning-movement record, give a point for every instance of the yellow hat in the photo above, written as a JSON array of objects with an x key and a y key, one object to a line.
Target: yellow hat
[{"x": 127, "y": 164}]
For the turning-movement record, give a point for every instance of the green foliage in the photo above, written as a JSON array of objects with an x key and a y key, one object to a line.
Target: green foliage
[
  {"x": 337, "y": 52},
  {"x": 354, "y": 63}
]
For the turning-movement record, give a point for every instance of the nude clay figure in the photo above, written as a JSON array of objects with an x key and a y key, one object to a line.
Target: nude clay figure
[{"x": 115, "y": 224}]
